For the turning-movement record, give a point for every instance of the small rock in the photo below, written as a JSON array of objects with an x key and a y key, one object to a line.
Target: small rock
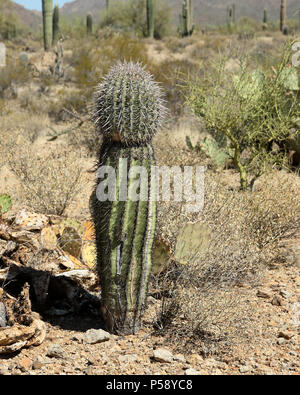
[
  {"x": 93, "y": 336},
  {"x": 4, "y": 371},
  {"x": 192, "y": 372},
  {"x": 3, "y": 321},
  {"x": 281, "y": 341},
  {"x": 163, "y": 355},
  {"x": 285, "y": 335},
  {"x": 179, "y": 358},
  {"x": 263, "y": 293},
  {"x": 55, "y": 351},
  {"x": 285, "y": 294},
  {"x": 244, "y": 369},
  {"x": 277, "y": 301},
  {"x": 37, "y": 365},
  {"x": 128, "y": 358},
  {"x": 76, "y": 337},
  {"x": 25, "y": 364}
]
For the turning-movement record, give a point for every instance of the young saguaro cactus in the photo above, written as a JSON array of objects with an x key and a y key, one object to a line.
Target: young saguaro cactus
[
  {"x": 55, "y": 25},
  {"x": 186, "y": 18},
  {"x": 47, "y": 23},
  {"x": 128, "y": 111}
]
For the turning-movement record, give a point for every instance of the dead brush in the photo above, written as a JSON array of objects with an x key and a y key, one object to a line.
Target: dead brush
[
  {"x": 207, "y": 307},
  {"x": 49, "y": 181}
]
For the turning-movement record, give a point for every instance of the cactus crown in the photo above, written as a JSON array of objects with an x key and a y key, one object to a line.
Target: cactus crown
[{"x": 128, "y": 103}]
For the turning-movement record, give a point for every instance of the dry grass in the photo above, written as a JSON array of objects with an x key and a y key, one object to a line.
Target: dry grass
[
  {"x": 205, "y": 304},
  {"x": 50, "y": 181}
]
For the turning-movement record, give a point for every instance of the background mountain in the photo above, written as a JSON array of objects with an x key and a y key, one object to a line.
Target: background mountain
[
  {"x": 29, "y": 18},
  {"x": 206, "y": 11}
]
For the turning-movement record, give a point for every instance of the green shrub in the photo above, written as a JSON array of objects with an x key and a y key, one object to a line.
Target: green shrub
[
  {"x": 256, "y": 113},
  {"x": 130, "y": 16}
]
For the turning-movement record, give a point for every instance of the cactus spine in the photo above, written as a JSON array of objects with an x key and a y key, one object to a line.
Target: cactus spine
[
  {"x": 89, "y": 24},
  {"x": 282, "y": 14},
  {"x": 47, "y": 23},
  {"x": 150, "y": 18},
  {"x": 128, "y": 111},
  {"x": 186, "y": 19},
  {"x": 55, "y": 25}
]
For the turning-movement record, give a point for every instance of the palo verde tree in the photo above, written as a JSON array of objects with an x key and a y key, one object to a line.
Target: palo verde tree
[{"x": 251, "y": 116}]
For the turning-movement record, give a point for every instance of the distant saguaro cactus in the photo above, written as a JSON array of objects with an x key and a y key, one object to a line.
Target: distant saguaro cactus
[
  {"x": 150, "y": 18},
  {"x": 89, "y": 24},
  {"x": 186, "y": 18},
  {"x": 265, "y": 19},
  {"x": 47, "y": 6},
  {"x": 282, "y": 15},
  {"x": 55, "y": 25},
  {"x": 107, "y": 5},
  {"x": 128, "y": 111},
  {"x": 233, "y": 14}
]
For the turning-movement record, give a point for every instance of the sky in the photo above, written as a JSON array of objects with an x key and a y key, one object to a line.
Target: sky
[{"x": 37, "y": 4}]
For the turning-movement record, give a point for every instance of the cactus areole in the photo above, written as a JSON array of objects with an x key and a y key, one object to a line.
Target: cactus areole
[{"x": 128, "y": 111}]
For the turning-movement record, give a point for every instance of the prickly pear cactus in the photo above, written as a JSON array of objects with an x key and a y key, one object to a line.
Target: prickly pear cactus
[
  {"x": 250, "y": 87},
  {"x": 128, "y": 112},
  {"x": 5, "y": 203},
  {"x": 289, "y": 78}
]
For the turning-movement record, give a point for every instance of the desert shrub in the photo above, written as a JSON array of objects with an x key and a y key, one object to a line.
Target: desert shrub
[
  {"x": 251, "y": 114},
  {"x": 49, "y": 180},
  {"x": 169, "y": 73},
  {"x": 130, "y": 16},
  {"x": 13, "y": 74},
  {"x": 205, "y": 306},
  {"x": 72, "y": 27}
]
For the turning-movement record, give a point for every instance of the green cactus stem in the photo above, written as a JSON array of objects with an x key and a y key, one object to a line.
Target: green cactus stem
[
  {"x": 128, "y": 111},
  {"x": 55, "y": 25},
  {"x": 47, "y": 23},
  {"x": 150, "y": 18},
  {"x": 89, "y": 24}
]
